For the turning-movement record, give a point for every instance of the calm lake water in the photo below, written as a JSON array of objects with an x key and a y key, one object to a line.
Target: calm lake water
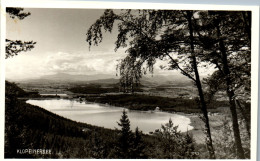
[{"x": 108, "y": 116}]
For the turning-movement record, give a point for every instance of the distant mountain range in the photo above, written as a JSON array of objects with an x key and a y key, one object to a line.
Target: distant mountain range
[
  {"x": 148, "y": 80},
  {"x": 76, "y": 78},
  {"x": 68, "y": 78}
]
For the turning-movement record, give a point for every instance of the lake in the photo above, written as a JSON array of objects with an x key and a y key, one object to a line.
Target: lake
[{"x": 108, "y": 116}]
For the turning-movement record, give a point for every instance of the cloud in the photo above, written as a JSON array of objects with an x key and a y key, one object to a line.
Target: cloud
[
  {"x": 83, "y": 63},
  {"x": 31, "y": 66}
]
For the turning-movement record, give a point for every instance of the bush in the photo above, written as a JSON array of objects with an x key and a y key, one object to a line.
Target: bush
[{"x": 175, "y": 144}]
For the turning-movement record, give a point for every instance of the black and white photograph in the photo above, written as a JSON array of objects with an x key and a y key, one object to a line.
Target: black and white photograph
[{"x": 129, "y": 83}]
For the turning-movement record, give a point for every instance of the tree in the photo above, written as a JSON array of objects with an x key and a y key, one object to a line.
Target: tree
[
  {"x": 125, "y": 137},
  {"x": 199, "y": 86},
  {"x": 226, "y": 38},
  {"x": 152, "y": 35},
  {"x": 230, "y": 92},
  {"x": 129, "y": 145},
  {"x": 174, "y": 143},
  {"x": 13, "y": 47},
  {"x": 169, "y": 134}
]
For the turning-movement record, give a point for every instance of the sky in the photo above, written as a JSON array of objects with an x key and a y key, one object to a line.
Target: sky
[{"x": 61, "y": 45}]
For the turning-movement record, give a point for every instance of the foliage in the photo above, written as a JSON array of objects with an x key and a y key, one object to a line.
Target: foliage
[
  {"x": 138, "y": 29},
  {"x": 236, "y": 47},
  {"x": 13, "y": 47},
  {"x": 130, "y": 74},
  {"x": 175, "y": 144},
  {"x": 17, "y": 13}
]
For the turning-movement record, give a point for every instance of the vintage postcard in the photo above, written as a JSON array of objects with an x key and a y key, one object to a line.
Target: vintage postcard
[{"x": 109, "y": 80}]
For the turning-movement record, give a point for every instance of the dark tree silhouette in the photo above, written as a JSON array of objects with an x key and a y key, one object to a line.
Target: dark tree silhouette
[{"x": 125, "y": 142}]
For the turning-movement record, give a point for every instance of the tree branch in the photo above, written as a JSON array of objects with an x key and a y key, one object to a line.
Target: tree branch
[{"x": 183, "y": 71}]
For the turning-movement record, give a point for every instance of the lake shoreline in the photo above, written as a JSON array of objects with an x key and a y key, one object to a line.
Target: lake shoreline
[
  {"x": 195, "y": 121},
  {"x": 96, "y": 114}
]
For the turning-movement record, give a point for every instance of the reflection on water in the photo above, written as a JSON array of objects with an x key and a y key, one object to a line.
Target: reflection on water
[{"x": 108, "y": 116}]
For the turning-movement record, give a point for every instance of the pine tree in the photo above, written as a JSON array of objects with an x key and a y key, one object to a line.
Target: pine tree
[
  {"x": 125, "y": 141},
  {"x": 169, "y": 135}
]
